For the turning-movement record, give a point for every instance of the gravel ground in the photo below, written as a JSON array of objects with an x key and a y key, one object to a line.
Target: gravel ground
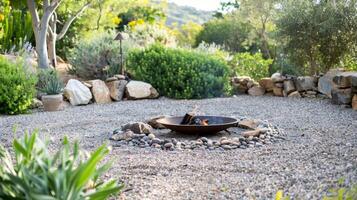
[{"x": 320, "y": 148}]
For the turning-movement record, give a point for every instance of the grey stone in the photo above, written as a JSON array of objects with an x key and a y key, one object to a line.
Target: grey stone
[
  {"x": 305, "y": 83},
  {"x": 289, "y": 86},
  {"x": 326, "y": 83},
  {"x": 256, "y": 91},
  {"x": 138, "y": 128},
  {"x": 226, "y": 147},
  {"x": 156, "y": 141},
  {"x": 122, "y": 135},
  {"x": 168, "y": 145},
  {"x": 341, "y": 96}
]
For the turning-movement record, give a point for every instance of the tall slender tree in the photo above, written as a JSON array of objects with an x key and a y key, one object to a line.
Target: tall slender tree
[{"x": 45, "y": 30}]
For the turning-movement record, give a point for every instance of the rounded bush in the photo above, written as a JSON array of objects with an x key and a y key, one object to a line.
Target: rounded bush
[
  {"x": 17, "y": 87},
  {"x": 98, "y": 58},
  {"x": 180, "y": 73},
  {"x": 252, "y": 65}
]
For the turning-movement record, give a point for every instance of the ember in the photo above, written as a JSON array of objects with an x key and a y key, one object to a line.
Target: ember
[{"x": 191, "y": 119}]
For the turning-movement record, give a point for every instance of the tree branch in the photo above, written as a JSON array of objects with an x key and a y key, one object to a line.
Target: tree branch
[
  {"x": 34, "y": 14},
  {"x": 70, "y": 20}
]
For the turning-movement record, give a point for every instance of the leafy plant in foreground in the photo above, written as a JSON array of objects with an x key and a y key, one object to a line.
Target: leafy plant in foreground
[{"x": 69, "y": 174}]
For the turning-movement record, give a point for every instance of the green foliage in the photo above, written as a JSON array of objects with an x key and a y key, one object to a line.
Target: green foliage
[
  {"x": 68, "y": 174},
  {"x": 180, "y": 73},
  {"x": 147, "y": 14},
  {"x": 342, "y": 193},
  {"x": 17, "y": 87},
  {"x": 213, "y": 50},
  {"x": 144, "y": 35},
  {"x": 350, "y": 62},
  {"x": 186, "y": 34},
  {"x": 98, "y": 58},
  {"x": 15, "y": 28},
  {"x": 49, "y": 82},
  {"x": 254, "y": 66},
  {"x": 229, "y": 32},
  {"x": 318, "y": 34}
]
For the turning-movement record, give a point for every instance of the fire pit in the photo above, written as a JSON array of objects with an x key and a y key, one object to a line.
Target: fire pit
[{"x": 198, "y": 124}]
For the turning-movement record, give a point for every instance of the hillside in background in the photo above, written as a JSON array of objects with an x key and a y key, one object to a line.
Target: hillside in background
[{"x": 183, "y": 14}]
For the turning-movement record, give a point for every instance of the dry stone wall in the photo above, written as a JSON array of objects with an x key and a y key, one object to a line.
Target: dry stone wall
[{"x": 338, "y": 85}]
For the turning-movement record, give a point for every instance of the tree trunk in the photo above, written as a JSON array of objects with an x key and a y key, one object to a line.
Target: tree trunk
[
  {"x": 313, "y": 67},
  {"x": 51, "y": 48},
  {"x": 41, "y": 48},
  {"x": 51, "y": 40}
]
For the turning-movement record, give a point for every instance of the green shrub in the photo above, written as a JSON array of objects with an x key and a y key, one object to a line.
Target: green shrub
[
  {"x": 17, "y": 87},
  {"x": 350, "y": 62},
  {"x": 49, "y": 82},
  {"x": 254, "y": 66},
  {"x": 67, "y": 174},
  {"x": 97, "y": 58},
  {"x": 180, "y": 73}
]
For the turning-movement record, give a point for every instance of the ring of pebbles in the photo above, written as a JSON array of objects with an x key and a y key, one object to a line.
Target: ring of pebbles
[{"x": 139, "y": 134}]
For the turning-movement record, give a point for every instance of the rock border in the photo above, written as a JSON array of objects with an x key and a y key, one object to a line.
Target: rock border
[{"x": 258, "y": 134}]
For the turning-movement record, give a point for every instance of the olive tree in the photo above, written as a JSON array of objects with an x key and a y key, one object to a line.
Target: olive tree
[
  {"x": 45, "y": 28},
  {"x": 318, "y": 34}
]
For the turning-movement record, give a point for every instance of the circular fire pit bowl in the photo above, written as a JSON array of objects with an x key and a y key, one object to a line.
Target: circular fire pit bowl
[{"x": 215, "y": 124}]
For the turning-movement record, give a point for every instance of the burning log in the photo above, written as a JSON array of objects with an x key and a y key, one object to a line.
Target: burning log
[{"x": 191, "y": 119}]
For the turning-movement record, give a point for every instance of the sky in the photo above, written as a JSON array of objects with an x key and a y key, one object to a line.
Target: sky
[{"x": 200, "y": 4}]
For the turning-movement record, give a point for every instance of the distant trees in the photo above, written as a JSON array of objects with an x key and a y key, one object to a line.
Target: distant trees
[
  {"x": 230, "y": 32},
  {"x": 145, "y": 13},
  {"x": 318, "y": 34},
  {"x": 303, "y": 36},
  {"x": 186, "y": 34}
]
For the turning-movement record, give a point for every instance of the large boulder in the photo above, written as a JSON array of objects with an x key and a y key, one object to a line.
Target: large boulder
[
  {"x": 77, "y": 93},
  {"x": 100, "y": 91},
  {"x": 326, "y": 83},
  {"x": 256, "y": 91},
  {"x": 117, "y": 89},
  {"x": 341, "y": 96},
  {"x": 289, "y": 86},
  {"x": 267, "y": 84},
  {"x": 140, "y": 90},
  {"x": 305, "y": 83}
]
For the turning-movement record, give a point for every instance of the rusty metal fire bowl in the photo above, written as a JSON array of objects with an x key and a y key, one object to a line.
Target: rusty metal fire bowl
[{"x": 216, "y": 124}]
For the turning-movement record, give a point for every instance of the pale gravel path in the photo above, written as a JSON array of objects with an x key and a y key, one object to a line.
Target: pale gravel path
[{"x": 304, "y": 166}]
